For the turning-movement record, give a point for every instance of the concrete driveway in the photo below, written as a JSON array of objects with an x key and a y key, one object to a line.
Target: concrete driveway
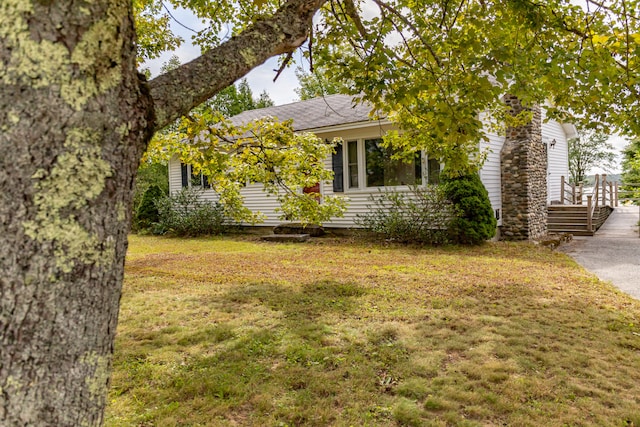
[{"x": 613, "y": 254}]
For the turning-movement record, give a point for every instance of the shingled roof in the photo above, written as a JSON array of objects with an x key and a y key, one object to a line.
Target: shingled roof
[{"x": 316, "y": 113}]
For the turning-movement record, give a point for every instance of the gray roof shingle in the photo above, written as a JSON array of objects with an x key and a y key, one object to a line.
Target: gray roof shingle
[{"x": 315, "y": 113}]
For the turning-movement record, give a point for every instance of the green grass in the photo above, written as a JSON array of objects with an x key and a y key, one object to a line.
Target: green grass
[{"x": 223, "y": 332}]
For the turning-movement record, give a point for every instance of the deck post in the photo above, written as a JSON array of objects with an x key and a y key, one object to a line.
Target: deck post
[
  {"x": 616, "y": 194},
  {"x": 562, "y": 189},
  {"x": 589, "y": 213},
  {"x": 604, "y": 189},
  {"x": 577, "y": 194},
  {"x": 611, "y": 198}
]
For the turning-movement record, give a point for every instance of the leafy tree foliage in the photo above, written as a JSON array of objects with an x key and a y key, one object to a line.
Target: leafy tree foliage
[
  {"x": 587, "y": 151},
  {"x": 153, "y": 25},
  {"x": 264, "y": 151},
  {"x": 431, "y": 67}
]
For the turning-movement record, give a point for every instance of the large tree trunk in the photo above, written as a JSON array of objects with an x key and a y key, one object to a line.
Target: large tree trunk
[
  {"x": 74, "y": 121},
  {"x": 74, "y": 124}
]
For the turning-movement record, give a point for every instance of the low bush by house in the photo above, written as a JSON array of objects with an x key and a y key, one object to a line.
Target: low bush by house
[
  {"x": 186, "y": 213},
  {"x": 422, "y": 215},
  {"x": 458, "y": 211}
]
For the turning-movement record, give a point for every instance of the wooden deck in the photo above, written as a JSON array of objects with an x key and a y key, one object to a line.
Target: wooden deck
[
  {"x": 579, "y": 213},
  {"x": 573, "y": 219}
]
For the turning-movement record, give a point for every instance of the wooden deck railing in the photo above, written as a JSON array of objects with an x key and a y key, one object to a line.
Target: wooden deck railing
[{"x": 604, "y": 193}]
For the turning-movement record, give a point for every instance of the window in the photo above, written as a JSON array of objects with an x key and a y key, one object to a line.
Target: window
[
  {"x": 191, "y": 180},
  {"x": 352, "y": 162},
  {"x": 383, "y": 171},
  {"x": 369, "y": 164},
  {"x": 433, "y": 169}
]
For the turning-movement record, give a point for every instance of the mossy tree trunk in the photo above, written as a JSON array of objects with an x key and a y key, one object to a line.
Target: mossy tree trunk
[{"x": 74, "y": 120}]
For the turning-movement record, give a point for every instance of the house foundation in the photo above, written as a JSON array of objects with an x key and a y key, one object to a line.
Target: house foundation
[{"x": 524, "y": 177}]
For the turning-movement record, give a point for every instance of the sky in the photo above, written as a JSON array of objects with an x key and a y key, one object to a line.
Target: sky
[{"x": 261, "y": 78}]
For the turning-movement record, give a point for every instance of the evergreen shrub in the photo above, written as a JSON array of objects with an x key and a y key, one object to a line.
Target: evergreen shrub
[
  {"x": 474, "y": 222},
  {"x": 147, "y": 212}
]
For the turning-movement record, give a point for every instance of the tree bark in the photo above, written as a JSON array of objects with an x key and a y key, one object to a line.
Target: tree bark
[{"x": 74, "y": 121}]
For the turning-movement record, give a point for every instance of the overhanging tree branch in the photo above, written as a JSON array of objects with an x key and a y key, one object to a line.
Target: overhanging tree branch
[{"x": 179, "y": 91}]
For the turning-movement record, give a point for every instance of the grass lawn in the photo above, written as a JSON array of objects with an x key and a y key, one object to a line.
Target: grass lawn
[{"x": 232, "y": 331}]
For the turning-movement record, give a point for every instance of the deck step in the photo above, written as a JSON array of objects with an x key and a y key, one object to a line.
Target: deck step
[
  {"x": 570, "y": 219},
  {"x": 560, "y": 221},
  {"x": 553, "y": 227},
  {"x": 573, "y": 232},
  {"x": 568, "y": 215},
  {"x": 573, "y": 219}
]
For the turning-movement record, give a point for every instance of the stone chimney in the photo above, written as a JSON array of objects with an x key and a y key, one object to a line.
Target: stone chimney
[{"x": 523, "y": 162}]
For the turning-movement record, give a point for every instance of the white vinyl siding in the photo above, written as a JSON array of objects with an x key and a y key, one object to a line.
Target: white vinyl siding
[
  {"x": 554, "y": 136},
  {"x": 175, "y": 175},
  {"x": 255, "y": 198},
  {"x": 490, "y": 173}
]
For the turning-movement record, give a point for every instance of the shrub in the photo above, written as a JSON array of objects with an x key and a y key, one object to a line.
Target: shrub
[
  {"x": 475, "y": 221},
  {"x": 186, "y": 214},
  {"x": 147, "y": 212},
  {"x": 150, "y": 174},
  {"x": 421, "y": 215}
]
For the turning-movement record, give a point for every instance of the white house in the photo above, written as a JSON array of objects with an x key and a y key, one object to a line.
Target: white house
[{"x": 358, "y": 170}]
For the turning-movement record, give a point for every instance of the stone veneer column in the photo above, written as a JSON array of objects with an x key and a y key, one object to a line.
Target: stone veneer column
[{"x": 523, "y": 162}]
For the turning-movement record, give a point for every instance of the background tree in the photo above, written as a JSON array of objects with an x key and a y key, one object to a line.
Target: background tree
[
  {"x": 75, "y": 118},
  {"x": 317, "y": 83},
  {"x": 237, "y": 98},
  {"x": 631, "y": 171},
  {"x": 589, "y": 150},
  {"x": 264, "y": 100}
]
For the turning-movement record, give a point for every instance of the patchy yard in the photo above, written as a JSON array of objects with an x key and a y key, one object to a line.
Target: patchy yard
[{"x": 222, "y": 331}]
